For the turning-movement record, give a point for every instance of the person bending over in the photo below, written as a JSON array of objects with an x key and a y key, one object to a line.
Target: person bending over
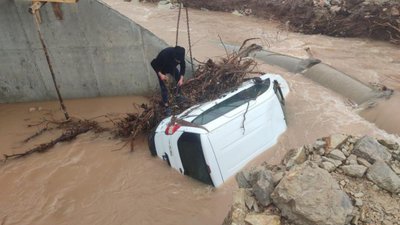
[{"x": 166, "y": 63}]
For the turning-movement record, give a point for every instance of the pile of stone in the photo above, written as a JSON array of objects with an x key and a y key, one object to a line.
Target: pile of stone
[{"x": 339, "y": 179}]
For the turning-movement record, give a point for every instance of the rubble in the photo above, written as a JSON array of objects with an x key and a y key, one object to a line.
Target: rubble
[
  {"x": 341, "y": 18},
  {"x": 311, "y": 187}
]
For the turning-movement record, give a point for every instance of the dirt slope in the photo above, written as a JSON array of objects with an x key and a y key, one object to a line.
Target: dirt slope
[{"x": 377, "y": 19}]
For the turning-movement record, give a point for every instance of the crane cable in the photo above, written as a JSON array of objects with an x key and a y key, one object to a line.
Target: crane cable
[{"x": 188, "y": 31}]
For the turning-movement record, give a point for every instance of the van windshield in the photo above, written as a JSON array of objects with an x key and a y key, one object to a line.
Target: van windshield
[{"x": 233, "y": 102}]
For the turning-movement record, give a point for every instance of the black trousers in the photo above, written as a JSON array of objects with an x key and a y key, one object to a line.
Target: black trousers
[{"x": 164, "y": 89}]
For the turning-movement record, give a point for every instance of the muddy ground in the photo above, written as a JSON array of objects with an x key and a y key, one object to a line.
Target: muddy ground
[{"x": 376, "y": 19}]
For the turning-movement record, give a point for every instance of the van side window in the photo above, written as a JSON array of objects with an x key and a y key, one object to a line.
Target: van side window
[{"x": 233, "y": 102}]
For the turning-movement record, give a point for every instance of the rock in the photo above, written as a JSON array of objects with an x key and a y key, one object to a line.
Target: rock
[
  {"x": 337, "y": 155},
  {"x": 251, "y": 203},
  {"x": 315, "y": 158},
  {"x": 369, "y": 149},
  {"x": 354, "y": 170},
  {"x": 352, "y": 140},
  {"x": 243, "y": 179},
  {"x": 359, "y": 195},
  {"x": 362, "y": 214},
  {"x": 333, "y": 161},
  {"x": 247, "y": 178},
  {"x": 260, "y": 172},
  {"x": 321, "y": 151},
  {"x": 262, "y": 219},
  {"x": 262, "y": 190},
  {"x": 389, "y": 144},
  {"x": 310, "y": 195},
  {"x": 358, "y": 202},
  {"x": 346, "y": 152},
  {"x": 164, "y": 5},
  {"x": 237, "y": 13},
  {"x": 319, "y": 144},
  {"x": 277, "y": 177},
  {"x": 345, "y": 146},
  {"x": 395, "y": 168},
  {"x": 295, "y": 157},
  {"x": 363, "y": 162},
  {"x": 238, "y": 211},
  {"x": 381, "y": 174},
  {"x": 164, "y": 2},
  {"x": 32, "y": 109},
  {"x": 387, "y": 222},
  {"x": 396, "y": 156},
  {"x": 334, "y": 141},
  {"x": 355, "y": 220},
  {"x": 342, "y": 183},
  {"x": 351, "y": 160},
  {"x": 352, "y": 157},
  {"x": 328, "y": 166},
  {"x": 248, "y": 12}
]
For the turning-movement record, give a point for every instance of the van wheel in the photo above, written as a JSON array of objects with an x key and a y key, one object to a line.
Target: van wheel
[{"x": 151, "y": 143}]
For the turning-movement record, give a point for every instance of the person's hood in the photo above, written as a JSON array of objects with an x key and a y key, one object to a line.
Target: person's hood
[{"x": 180, "y": 53}]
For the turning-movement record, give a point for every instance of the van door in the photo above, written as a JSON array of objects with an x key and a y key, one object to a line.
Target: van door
[{"x": 192, "y": 157}]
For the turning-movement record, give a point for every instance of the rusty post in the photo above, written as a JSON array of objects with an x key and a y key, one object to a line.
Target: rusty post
[
  {"x": 190, "y": 45},
  {"x": 63, "y": 108},
  {"x": 177, "y": 24}
]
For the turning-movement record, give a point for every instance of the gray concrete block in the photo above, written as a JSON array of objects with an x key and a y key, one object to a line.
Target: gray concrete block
[{"x": 95, "y": 51}]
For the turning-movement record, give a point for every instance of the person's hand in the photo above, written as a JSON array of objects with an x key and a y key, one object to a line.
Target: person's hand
[
  {"x": 180, "y": 82},
  {"x": 162, "y": 76}
]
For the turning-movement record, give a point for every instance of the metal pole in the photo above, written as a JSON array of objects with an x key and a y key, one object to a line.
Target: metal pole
[
  {"x": 177, "y": 25},
  {"x": 190, "y": 45},
  {"x": 63, "y": 108}
]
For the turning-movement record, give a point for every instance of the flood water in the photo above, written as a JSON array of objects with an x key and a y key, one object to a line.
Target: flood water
[{"x": 87, "y": 182}]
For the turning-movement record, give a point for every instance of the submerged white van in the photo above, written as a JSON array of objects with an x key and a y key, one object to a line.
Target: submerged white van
[{"x": 211, "y": 142}]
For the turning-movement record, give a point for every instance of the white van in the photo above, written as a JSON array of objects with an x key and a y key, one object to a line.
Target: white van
[{"x": 210, "y": 142}]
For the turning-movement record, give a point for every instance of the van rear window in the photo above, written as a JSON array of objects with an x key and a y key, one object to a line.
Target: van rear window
[
  {"x": 192, "y": 157},
  {"x": 233, "y": 102}
]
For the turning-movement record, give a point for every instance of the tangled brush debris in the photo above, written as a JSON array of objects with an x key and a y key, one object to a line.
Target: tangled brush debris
[
  {"x": 71, "y": 129},
  {"x": 210, "y": 81}
]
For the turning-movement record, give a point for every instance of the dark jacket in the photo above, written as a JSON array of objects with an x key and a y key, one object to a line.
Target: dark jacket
[{"x": 166, "y": 63}]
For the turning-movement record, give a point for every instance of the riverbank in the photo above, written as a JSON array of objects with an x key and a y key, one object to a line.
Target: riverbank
[{"x": 374, "y": 19}]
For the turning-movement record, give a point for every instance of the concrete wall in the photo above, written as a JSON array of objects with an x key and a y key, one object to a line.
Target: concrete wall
[{"x": 94, "y": 51}]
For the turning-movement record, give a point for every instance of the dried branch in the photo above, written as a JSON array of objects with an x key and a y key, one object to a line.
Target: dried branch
[
  {"x": 72, "y": 130},
  {"x": 38, "y": 133}
]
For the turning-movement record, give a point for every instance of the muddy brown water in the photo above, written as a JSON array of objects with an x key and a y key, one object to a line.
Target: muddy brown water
[{"x": 86, "y": 182}]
